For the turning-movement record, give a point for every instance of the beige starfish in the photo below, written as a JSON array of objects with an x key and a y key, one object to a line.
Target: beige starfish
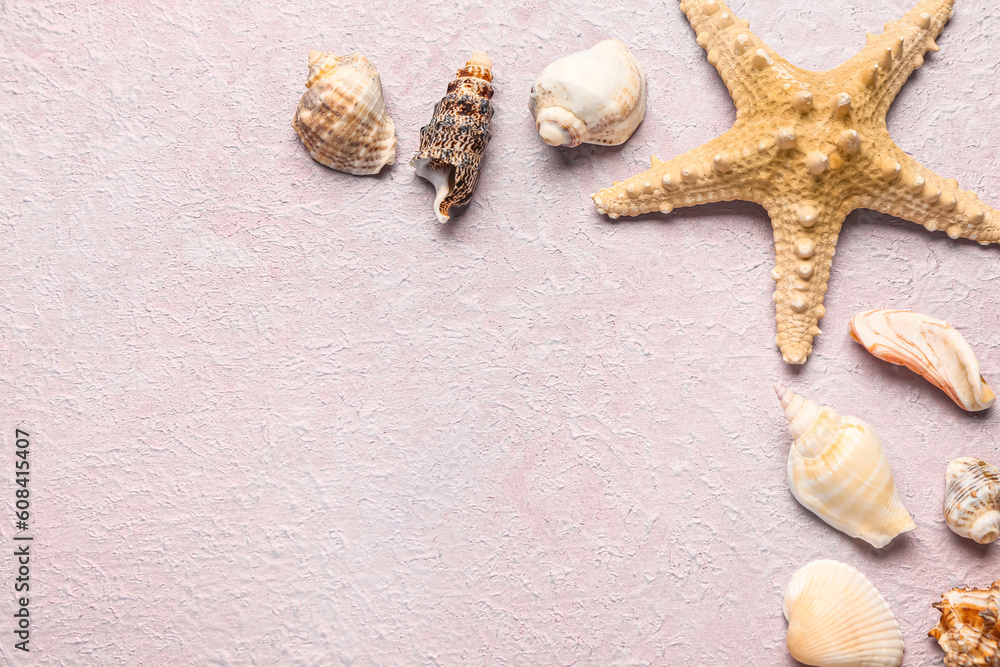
[{"x": 810, "y": 147}]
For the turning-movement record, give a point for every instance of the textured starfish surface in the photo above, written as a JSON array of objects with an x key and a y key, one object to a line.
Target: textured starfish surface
[{"x": 810, "y": 147}]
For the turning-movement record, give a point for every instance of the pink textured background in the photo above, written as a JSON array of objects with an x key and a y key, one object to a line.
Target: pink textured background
[{"x": 280, "y": 416}]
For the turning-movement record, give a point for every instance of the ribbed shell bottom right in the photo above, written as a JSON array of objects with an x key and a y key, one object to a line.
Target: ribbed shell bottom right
[{"x": 837, "y": 617}]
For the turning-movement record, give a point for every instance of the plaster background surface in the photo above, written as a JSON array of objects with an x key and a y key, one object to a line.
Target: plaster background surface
[{"x": 280, "y": 416}]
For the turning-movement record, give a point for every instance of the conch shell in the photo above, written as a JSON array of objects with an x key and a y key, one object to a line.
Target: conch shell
[
  {"x": 926, "y": 346},
  {"x": 838, "y": 470},
  {"x": 341, "y": 118},
  {"x": 597, "y": 96},
  {"x": 968, "y": 630},
  {"x": 972, "y": 501},
  {"x": 452, "y": 145},
  {"x": 837, "y": 617}
]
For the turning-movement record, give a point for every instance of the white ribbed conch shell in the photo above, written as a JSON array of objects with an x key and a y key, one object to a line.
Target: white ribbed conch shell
[
  {"x": 929, "y": 347},
  {"x": 968, "y": 630},
  {"x": 597, "y": 96},
  {"x": 837, "y": 617},
  {"x": 972, "y": 500},
  {"x": 838, "y": 470},
  {"x": 341, "y": 118}
]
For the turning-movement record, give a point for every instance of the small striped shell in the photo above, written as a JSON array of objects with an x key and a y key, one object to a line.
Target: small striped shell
[
  {"x": 929, "y": 347},
  {"x": 838, "y": 469},
  {"x": 837, "y": 617},
  {"x": 341, "y": 118},
  {"x": 972, "y": 500}
]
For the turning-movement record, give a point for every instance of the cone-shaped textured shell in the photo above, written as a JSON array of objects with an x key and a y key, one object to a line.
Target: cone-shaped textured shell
[
  {"x": 838, "y": 469},
  {"x": 597, "y": 96},
  {"x": 972, "y": 499},
  {"x": 927, "y": 346},
  {"x": 453, "y": 143},
  {"x": 804, "y": 418},
  {"x": 967, "y": 630},
  {"x": 837, "y": 617},
  {"x": 341, "y": 118}
]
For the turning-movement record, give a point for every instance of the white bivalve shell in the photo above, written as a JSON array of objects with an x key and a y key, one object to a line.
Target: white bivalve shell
[
  {"x": 972, "y": 500},
  {"x": 929, "y": 347},
  {"x": 837, "y": 617},
  {"x": 341, "y": 118},
  {"x": 597, "y": 96},
  {"x": 838, "y": 469}
]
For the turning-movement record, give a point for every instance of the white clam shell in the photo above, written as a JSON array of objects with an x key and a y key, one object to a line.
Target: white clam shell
[
  {"x": 837, "y": 617},
  {"x": 341, "y": 118},
  {"x": 972, "y": 499},
  {"x": 838, "y": 469},
  {"x": 927, "y": 346},
  {"x": 597, "y": 96}
]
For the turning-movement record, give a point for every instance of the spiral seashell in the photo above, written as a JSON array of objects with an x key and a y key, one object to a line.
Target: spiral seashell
[
  {"x": 929, "y": 347},
  {"x": 597, "y": 96},
  {"x": 837, "y": 617},
  {"x": 341, "y": 118},
  {"x": 972, "y": 500},
  {"x": 452, "y": 145},
  {"x": 838, "y": 469},
  {"x": 967, "y": 630}
]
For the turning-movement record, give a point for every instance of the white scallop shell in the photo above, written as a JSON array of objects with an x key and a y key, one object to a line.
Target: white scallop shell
[
  {"x": 341, "y": 118},
  {"x": 597, "y": 96},
  {"x": 837, "y": 617},
  {"x": 972, "y": 500},
  {"x": 838, "y": 469},
  {"x": 927, "y": 346}
]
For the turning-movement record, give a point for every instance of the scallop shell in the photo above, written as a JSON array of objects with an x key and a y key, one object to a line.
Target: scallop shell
[
  {"x": 837, "y": 617},
  {"x": 968, "y": 630},
  {"x": 929, "y": 347},
  {"x": 972, "y": 501},
  {"x": 452, "y": 145},
  {"x": 341, "y": 118},
  {"x": 597, "y": 96},
  {"x": 838, "y": 469}
]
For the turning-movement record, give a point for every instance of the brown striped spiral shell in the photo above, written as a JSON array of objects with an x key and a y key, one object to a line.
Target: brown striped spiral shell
[
  {"x": 453, "y": 143},
  {"x": 341, "y": 117},
  {"x": 972, "y": 499}
]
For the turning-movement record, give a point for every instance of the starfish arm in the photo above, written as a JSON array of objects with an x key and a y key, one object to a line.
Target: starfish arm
[
  {"x": 713, "y": 172},
  {"x": 917, "y": 194},
  {"x": 805, "y": 241},
  {"x": 889, "y": 59},
  {"x": 745, "y": 63}
]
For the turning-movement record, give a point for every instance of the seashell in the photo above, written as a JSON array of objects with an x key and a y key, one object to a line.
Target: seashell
[
  {"x": 926, "y": 346},
  {"x": 837, "y": 617},
  {"x": 972, "y": 501},
  {"x": 838, "y": 470},
  {"x": 341, "y": 118},
  {"x": 968, "y": 630},
  {"x": 597, "y": 96},
  {"x": 452, "y": 145}
]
